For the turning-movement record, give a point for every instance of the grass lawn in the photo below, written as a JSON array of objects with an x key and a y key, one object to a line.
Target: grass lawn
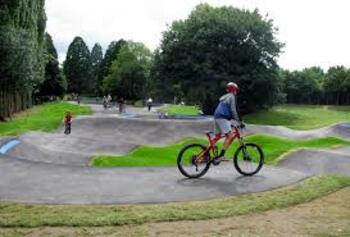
[
  {"x": 300, "y": 116},
  {"x": 46, "y": 117},
  {"x": 180, "y": 109},
  {"x": 273, "y": 148},
  {"x": 35, "y": 215}
]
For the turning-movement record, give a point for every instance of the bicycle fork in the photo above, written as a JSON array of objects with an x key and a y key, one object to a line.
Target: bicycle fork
[{"x": 244, "y": 150}]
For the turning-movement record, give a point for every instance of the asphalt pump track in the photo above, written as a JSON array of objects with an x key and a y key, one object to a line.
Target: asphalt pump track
[{"x": 53, "y": 167}]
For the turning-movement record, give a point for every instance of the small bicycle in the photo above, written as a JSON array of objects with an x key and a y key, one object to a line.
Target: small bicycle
[
  {"x": 194, "y": 160},
  {"x": 67, "y": 128}
]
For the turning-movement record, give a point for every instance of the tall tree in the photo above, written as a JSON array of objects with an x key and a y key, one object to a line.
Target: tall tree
[
  {"x": 110, "y": 56},
  {"x": 213, "y": 46},
  {"x": 55, "y": 83},
  {"x": 96, "y": 60},
  {"x": 77, "y": 67},
  {"x": 129, "y": 72},
  {"x": 22, "y": 61}
]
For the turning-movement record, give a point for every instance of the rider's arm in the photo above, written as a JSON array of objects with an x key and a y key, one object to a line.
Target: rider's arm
[{"x": 234, "y": 109}]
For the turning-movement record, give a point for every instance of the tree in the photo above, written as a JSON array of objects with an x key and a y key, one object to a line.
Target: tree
[
  {"x": 55, "y": 83},
  {"x": 305, "y": 87},
  {"x": 22, "y": 59},
  {"x": 315, "y": 78},
  {"x": 346, "y": 85},
  {"x": 334, "y": 84},
  {"x": 110, "y": 56},
  {"x": 77, "y": 67},
  {"x": 96, "y": 60},
  {"x": 217, "y": 45},
  {"x": 129, "y": 72}
]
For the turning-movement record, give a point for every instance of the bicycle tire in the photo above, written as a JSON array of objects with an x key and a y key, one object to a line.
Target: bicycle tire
[
  {"x": 180, "y": 157},
  {"x": 260, "y": 163}
]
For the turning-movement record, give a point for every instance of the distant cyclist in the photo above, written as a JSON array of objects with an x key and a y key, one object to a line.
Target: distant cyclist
[
  {"x": 224, "y": 113},
  {"x": 68, "y": 123}
]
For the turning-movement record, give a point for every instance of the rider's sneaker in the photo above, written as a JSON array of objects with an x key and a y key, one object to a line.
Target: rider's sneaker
[{"x": 217, "y": 160}]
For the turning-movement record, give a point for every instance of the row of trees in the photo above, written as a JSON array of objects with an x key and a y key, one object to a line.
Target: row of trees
[
  {"x": 195, "y": 60},
  {"x": 197, "y": 57},
  {"x": 22, "y": 53},
  {"x": 123, "y": 70},
  {"x": 314, "y": 86},
  {"x": 82, "y": 68}
]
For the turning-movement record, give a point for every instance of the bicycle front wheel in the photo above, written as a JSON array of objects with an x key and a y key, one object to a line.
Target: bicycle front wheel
[
  {"x": 193, "y": 161},
  {"x": 248, "y": 159}
]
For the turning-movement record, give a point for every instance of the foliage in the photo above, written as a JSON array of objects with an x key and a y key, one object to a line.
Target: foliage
[
  {"x": 300, "y": 116},
  {"x": 213, "y": 46},
  {"x": 129, "y": 72},
  {"x": 337, "y": 85},
  {"x": 96, "y": 61},
  {"x": 55, "y": 83},
  {"x": 139, "y": 103},
  {"x": 180, "y": 109},
  {"x": 314, "y": 86},
  {"x": 46, "y": 117},
  {"x": 273, "y": 148},
  {"x": 77, "y": 67},
  {"x": 22, "y": 57},
  {"x": 110, "y": 56},
  {"x": 34, "y": 215}
]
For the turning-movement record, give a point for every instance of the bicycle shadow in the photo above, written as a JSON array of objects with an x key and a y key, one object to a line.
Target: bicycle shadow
[{"x": 227, "y": 185}]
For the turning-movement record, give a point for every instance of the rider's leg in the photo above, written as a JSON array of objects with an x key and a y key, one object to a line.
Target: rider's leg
[
  {"x": 227, "y": 143},
  {"x": 223, "y": 126}
]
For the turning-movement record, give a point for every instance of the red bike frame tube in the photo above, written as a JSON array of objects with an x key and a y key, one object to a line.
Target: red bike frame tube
[{"x": 217, "y": 137}]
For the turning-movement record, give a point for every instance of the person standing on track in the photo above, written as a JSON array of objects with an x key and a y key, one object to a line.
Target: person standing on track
[
  {"x": 224, "y": 113},
  {"x": 105, "y": 102},
  {"x": 149, "y": 103},
  {"x": 121, "y": 105}
]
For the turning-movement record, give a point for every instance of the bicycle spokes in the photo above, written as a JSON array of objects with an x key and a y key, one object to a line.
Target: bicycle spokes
[
  {"x": 193, "y": 161},
  {"x": 248, "y": 159}
]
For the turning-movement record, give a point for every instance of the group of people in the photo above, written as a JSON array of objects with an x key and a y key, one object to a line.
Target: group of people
[{"x": 107, "y": 103}]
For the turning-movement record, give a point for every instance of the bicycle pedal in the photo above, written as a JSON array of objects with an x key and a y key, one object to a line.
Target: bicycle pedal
[{"x": 225, "y": 160}]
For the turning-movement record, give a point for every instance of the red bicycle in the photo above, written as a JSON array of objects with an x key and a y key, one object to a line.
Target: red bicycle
[{"x": 194, "y": 160}]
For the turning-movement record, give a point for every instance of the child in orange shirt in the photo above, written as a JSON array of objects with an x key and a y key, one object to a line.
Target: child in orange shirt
[{"x": 68, "y": 123}]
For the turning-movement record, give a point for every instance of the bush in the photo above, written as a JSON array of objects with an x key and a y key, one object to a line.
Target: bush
[{"x": 139, "y": 103}]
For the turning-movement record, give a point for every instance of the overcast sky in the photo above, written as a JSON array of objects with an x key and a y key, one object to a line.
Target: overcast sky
[{"x": 315, "y": 32}]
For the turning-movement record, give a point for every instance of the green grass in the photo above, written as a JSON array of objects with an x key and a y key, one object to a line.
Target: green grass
[
  {"x": 46, "y": 117},
  {"x": 180, "y": 110},
  {"x": 273, "y": 148},
  {"x": 139, "y": 103},
  {"x": 300, "y": 116},
  {"x": 32, "y": 215}
]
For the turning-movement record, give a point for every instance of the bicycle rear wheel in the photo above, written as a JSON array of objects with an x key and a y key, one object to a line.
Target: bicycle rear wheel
[
  {"x": 248, "y": 159},
  {"x": 192, "y": 161}
]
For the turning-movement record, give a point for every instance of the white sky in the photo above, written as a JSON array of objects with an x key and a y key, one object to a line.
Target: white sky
[{"x": 316, "y": 32}]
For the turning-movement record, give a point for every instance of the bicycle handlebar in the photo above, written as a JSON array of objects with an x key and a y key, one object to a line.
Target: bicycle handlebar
[{"x": 241, "y": 125}]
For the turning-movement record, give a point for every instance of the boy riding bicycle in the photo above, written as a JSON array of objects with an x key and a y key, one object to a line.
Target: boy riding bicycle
[
  {"x": 68, "y": 122},
  {"x": 224, "y": 113},
  {"x": 194, "y": 159}
]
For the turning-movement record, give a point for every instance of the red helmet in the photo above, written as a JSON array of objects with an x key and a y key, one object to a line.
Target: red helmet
[{"x": 232, "y": 87}]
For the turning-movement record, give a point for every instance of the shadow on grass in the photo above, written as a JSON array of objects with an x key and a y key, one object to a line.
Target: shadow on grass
[
  {"x": 338, "y": 108},
  {"x": 271, "y": 117}
]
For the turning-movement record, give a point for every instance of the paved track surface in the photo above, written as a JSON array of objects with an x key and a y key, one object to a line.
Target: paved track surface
[{"x": 52, "y": 168}]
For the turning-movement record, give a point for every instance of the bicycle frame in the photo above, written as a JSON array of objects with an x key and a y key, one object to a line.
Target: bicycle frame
[
  {"x": 213, "y": 140},
  {"x": 216, "y": 138}
]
